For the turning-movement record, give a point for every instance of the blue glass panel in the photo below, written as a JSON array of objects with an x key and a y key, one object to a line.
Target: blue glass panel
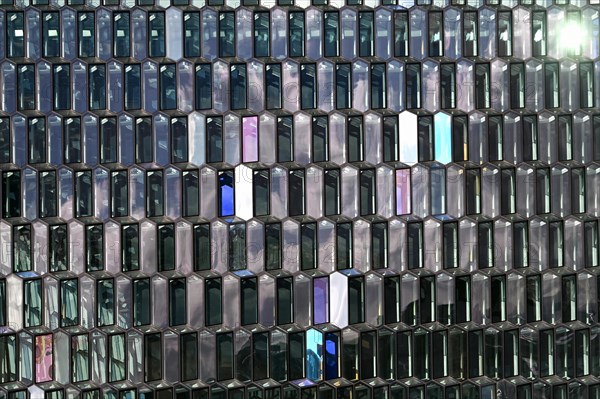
[
  {"x": 332, "y": 342},
  {"x": 226, "y": 203},
  {"x": 443, "y": 137},
  {"x": 314, "y": 355}
]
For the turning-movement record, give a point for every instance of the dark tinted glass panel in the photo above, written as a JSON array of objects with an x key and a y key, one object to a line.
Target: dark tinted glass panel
[
  {"x": 273, "y": 246},
  {"x": 517, "y": 85},
  {"x": 296, "y": 182},
  {"x": 152, "y": 357},
  {"x": 168, "y": 87},
  {"x": 285, "y": 300},
  {"x": 51, "y": 34},
  {"x": 26, "y": 87},
  {"x": 188, "y": 345},
  {"x": 105, "y": 301},
  {"x": 22, "y": 248},
  {"x": 84, "y": 194},
  {"x": 166, "y": 247},
  {"x": 504, "y": 39},
  {"x": 5, "y": 140},
  {"x": 331, "y": 34},
  {"x": 154, "y": 193},
  {"x": 249, "y": 301},
  {"x": 261, "y": 192},
  {"x": 415, "y": 245},
  {"x": 273, "y": 86},
  {"x": 485, "y": 244},
  {"x": 133, "y": 95},
  {"x": 343, "y": 242},
  {"x": 285, "y": 139},
  {"x": 368, "y": 204},
  {"x": 213, "y": 301},
  {"x": 97, "y": 86},
  {"x": 15, "y": 34},
  {"x": 177, "y": 302},
  {"x": 191, "y": 33},
  {"x": 378, "y": 86},
  {"x": 308, "y": 244},
  {"x": 401, "y": 34},
  {"x": 296, "y": 32},
  {"x": 238, "y": 86},
  {"x": 214, "y": 137},
  {"x": 130, "y": 258},
  {"x": 94, "y": 236},
  {"x": 413, "y": 86},
  {"x": 450, "y": 249},
  {"x": 225, "y": 356},
  {"x": 58, "y": 248},
  {"x": 203, "y": 89},
  {"x": 355, "y": 139},
  {"x": 202, "y": 247},
  {"x": 156, "y": 34},
  {"x": 62, "y": 86},
  {"x": 227, "y": 34},
  {"x": 47, "y": 194},
  {"x": 11, "y": 194},
  {"x": 141, "y": 302},
  {"x": 72, "y": 140},
  {"x": 308, "y": 86},
  {"x": 86, "y": 29},
  {"x": 237, "y": 246},
  {"x": 121, "y": 34},
  {"x": 436, "y": 34},
  {"x": 482, "y": 86},
  {"x": 448, "y": 85},
  {"x": 119, "y": 193},
  {"x": 320, "y": 139},
  {"x": 261, "y": 34}
]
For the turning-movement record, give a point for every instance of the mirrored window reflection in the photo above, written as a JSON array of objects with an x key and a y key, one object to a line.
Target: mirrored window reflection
[
  {"x": 47, "y": 194},
  {"x": 51, "y": 34},
  {"x": 191, "y": 34},
  {"x": 22, "y": 248},
  {"x": 105, "y": 296},
  {"x": 448, "y": 86},
  {"x": 344, "y": 246},
  {"x": 473, "y": 191},
  {"x": 154, "y": 193},
  {"x": 320, "y": 139},
  {"x": 507, "y": 191},
  {"x": 165, "y": 250},
  {"x": 168, "y": 87},
  {"x": 237, "y": 246},
  {"x": 569, "y": 298},
  {"x": 273, "y": 246},
  {"x": 202, "y": 247},
  {"x": 413, "y": 86},
  {"x": 15, "y": 34},
  {"x": 470, "y": 34},
  {"x": 203, "y": 86},
  {"x": 343, "y": 86},
  {"x": 332, "y": 192},
  {"x": 11, "y": 194},
  {"x": 308, "y": 246},
  {"x": 436, "y": 34},
  {"x": 591, "y": 243},
  {"x": 414, "y": 234},
  {"x": 504, "y": 36},
  {"x": 58, "y": 248},
  {"x": 141, "y": 302},
  {"x": 84, "y": 196},
  {"x": 132, "y": 87},
  {"x": 72, "y": 142},
  {"x": 391, "y": 142},
  {"x": 61, "y": 80},
  {"x": 296, "y": 34},
  {"x": 26, "y": 87},
  {"x": 331, "y": 34},
  {"x": 156, "y": 34},
  {"x": 190, "y": 192},
  {"x": 226, "y": 34},
  {"x": 32, "y": 303},
  {"x": 116, "y": 357},
  {"x": 108, "y": 139},
  {"x": 212, "y": 303},
  {"x": 177, "y": 302},
  {"x": 401, "y": 34},
  {"x": 121, "y": 34},
  {"x": 130, "y": 247},
  {"x": 355, "y": 132},
  {"x": 378, "y": 86},
  {"x": 460, "y": 138},
  {"x": 538, "y": 27},
  {"x": 97, "y": 86},
  {"x": 94, "y": 239},
  {"x": 79, "y": 358},
  {"x": 365, "y": 33},
  {"x": 285, "y": 138},
  {"x": 86, "y": 34},
  {"x": 565, "y": 137},
  {"x": 69, "y": 299},
  {"x": 261, "y": 34},
  {"x": 144, "y": 140},
  {"x": 273, "y": 86},
  {"x": 119, "y": 193},
  {"x": 308, "y": 86},
  {"x": 225, "y": 356}
]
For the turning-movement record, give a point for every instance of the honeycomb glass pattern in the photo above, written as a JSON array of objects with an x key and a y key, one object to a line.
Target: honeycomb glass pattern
[{"x": 299, "y": 199}]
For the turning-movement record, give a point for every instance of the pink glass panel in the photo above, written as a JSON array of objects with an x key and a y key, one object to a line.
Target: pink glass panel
[
  {"x": 43, "y": 358},
  {"x": 403, "y": 191},
  {"x": 250, "y": 139}
]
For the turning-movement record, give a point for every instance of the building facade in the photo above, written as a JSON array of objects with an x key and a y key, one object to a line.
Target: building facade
[{"x": 299, "y": 200}]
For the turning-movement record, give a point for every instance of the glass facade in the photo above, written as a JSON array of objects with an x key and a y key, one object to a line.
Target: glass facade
[{"x": 299, "y": 199}]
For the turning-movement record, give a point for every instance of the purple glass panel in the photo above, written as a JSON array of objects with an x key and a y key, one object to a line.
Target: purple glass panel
[
  {"x": 43, "y": 358},
  {"x": 250, "y": 139},
  {"x": 403, "y": 191},
  {"x": 321, "y": 300}
]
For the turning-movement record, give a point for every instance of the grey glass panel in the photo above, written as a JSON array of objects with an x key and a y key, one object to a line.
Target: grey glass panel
[
  {"x": 296, "y": 34},
  {"x": 22, "y": 249},
  {"x": 470, "y": 33},
  {"x": 569, "y": 298},
  {"x": 308, "y": 89},
  {"x": 226, "y": 34},
  {"x": 296, "y": 186},
  {"x": 119, "y": 193},
  {"x": 436, "y": 34},
  {"x": 438, "y": 190},
  {"x": 504, "y": 39},
  {"x": 413, "y": 86},
  {"x": 285, "y": 300},
  {"x": 530, "y": 138},
  {"x": 152, "y": 357},
  {"x": 331, "y": 34},
  {"x": 308, "y": 246},
  {"x": 427, "y": 299},
  {"x": 130, "y": 258},
  {"x": 47, "y": 194},
  {"x": 556, "y": 244},
  {"x": 356, "y": 300},
  {"x": 168, "y": 87},
  {"x": 190, "y": 192},
  {"x": 539, "y": 34},
  {"x": 390, "y": 144},
  {"x": 498, "y": 293},
  {"x": 203, "y": 87},
  {"x": 485, "y": 244},
  {"x": 365, "y": 31},
  {"x": 273, "y": 86},
  {"x": 355, "y": 139},
  {"x": 586, "y": 85},
  {"x": 133, "y": 95},
  {"x": 450, "y": 248},
  {"x": 578, "y": 190},
  {"x": 343, "y": 246},
  {"x": 191, "y": 29},
  {"x": 144, "y": 149},
  {"x": 105, "y": 301},
  {"x": 565, "y": 137},
  {"x": 551, "y": 85},
  {"x": 15, "y": 34},
  {"x": 320, "y": 139},
  {"x": 214, "y": 137},
  {"x": 379, "y": 245},
  {"x": 156, "y": 34},
  {"x": 482, "y": 86},
  {"x": 495, "y": 138},
  {"x": 86, "y": 33},
  {"x": 517, "y": 85},
  {"x": 237, "y": 246},
  {"x": 332, "y": 198},
  {"x": 36, "y": 148},
  {"x": 26, "y": 87},
  {"x": 213, "y": 301},
  {"x": 202, "y": 247},
  {"x": 225, "y": 355},
  {"x": 94, "y": 237},
  {"x": 273, "y": 246},
  {"x": 261, "y": 192},
  {"x": 261, "y": 34},
  {"x": 297, "y": 354},
  {"x": 11, "y": 194},
  {"x": 260, "y": 349},
  {"x": 414, "y": 245},
  {"x": 448, "y": 86},
  {"x": 72, "y": 140},
  {"x": 121, "y": 34},
  {"x": 179, "y": 140},
  {"x": 421, "y": 364},
  {"x": 401, "y": 33},
  {"x": 5, "y": 140},
  {"x": 473, "y": 191},
  {"x": 51, "y": 34},
  {"x": 97, "y": 86},
  {"x": 177, "y": 302},
  {"x": 154, "y": 193},
  {"x": 165, "y": 250},
  {"x": 521, "y": 244},
  {"x": 108, "y": 140},
  {"x": 542, "y": 190},
  {"x": 285, "y": 139},
  {"x": 32, "y": 303},
  {"x": 367, "y": 192},
  {"x": 460, "y": 138},
  {"x": 596, "y": 137},
  {"x": 58, "y": 248},
  {"x": 378, "y": 86},
  {"x": 463, "y": 299},
  {"x": 84, "y": 197},
  {"x": 188, "y": 347},
  {"x": 249, "y": 301},
  {"x": 391, "y": 300},
  {"x": 141, "y": 302},
  {"x": 62, "y": 86},
  {"x": 8, "y": 349},
  {"x": 591, "y": 243}
]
